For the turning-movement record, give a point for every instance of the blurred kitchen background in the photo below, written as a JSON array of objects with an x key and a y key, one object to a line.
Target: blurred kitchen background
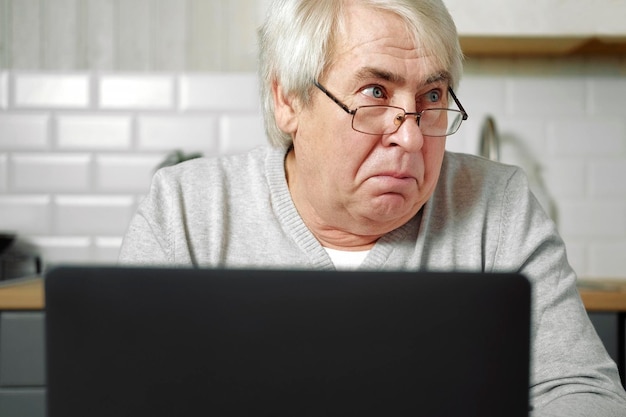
[{"x": 95, "y": 94}]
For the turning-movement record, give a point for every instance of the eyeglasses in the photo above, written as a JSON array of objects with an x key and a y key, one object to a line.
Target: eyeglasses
[{"x": 385, "y": 120}]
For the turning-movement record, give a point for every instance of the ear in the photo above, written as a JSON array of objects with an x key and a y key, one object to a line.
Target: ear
[{"x": 285, "y": 111}]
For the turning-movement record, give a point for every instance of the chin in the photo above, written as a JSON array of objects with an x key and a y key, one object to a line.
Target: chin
[{"x": 393, "y": 209}]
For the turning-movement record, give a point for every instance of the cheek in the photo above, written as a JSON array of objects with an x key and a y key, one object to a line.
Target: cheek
[
  {"x": 352, "y": 153},
  {"x": 329, "y": 146},
  {"x": 339, "y": 161}
]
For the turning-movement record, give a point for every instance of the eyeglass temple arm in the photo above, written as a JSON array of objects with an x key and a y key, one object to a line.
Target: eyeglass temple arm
[
  {"x": 458, "y": 103},
  {"x": 333, "y": 98}
]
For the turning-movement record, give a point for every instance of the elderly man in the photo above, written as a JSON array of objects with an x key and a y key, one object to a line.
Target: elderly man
[{"x": 358, "y": 99}]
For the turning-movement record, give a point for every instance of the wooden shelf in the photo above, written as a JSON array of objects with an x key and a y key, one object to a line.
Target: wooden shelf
[{"x": 540, "y": 46}]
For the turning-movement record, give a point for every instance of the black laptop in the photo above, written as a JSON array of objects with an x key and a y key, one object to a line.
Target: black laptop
[{"x": 225, "y": 343}]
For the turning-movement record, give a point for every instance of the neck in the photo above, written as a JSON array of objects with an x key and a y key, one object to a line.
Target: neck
[{"x": 336, "y": 239}]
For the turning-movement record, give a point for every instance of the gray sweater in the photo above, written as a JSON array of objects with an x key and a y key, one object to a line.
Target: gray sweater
[{"x": 236, "y": 211}]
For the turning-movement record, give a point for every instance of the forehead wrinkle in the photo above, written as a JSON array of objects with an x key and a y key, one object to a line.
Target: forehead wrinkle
[{"x": 372, "y": 72}]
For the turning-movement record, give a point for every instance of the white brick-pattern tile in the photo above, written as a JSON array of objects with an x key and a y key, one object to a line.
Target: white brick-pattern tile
[
  {"x": 30, "y": 214},
  {"x": 546, "y": 97},
  {"x": 54, "y": 91},
  {"x": 94, "y": 132},
  {"x": 606, "y": 259},
  {"x": 606, "y": 96},
  {"x": 222, "y": 92},
  {"x": 483, "y": 94},
  {"x": 593, "y": 219},
  {"x": 588, "y": 137},
  {"x": 607, "y": 179},
  {"x": 125, "y": 173},
  {"x": 40, "y": 172},
  {"x": 197, "y": 133},
  {"x": 107, "y": 249},
  {"x": 241, "y": 133},
  {"x": 57, "y": 250},
  {"x": 24, "y": 131},
  {"x": 93, "y": 214},
  {"x": 128, "y": 92},
  {"x": 566, "y": 178}
]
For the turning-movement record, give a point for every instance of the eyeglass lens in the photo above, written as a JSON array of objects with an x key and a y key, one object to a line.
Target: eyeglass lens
[{"x": 381, "y": 120}]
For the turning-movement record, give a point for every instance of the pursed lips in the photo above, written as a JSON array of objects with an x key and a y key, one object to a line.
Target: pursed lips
[
  {"x": 400, "y": 175},
  {"x": 397, "y": 175},
  {"x": 392, "y": 180}
]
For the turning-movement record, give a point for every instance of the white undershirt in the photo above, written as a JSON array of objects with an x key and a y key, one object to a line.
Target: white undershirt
[{"x": 346, "y": 259}]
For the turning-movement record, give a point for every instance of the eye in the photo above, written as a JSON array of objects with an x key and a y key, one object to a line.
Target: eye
[
  {"x": 374, "y": 91},
  {"x": 433, "y": 96}
]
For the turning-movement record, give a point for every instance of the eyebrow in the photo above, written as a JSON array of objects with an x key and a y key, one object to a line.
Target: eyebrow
[
  {"x": 441, "y": 76},
  {"x": 371, "y": 72}
]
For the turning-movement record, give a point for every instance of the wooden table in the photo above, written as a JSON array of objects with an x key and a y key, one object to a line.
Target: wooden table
[
  {"x": 597, "y": 295},
  {"x": 22, "y": 294},
  {"x": 603, "y": 295}
]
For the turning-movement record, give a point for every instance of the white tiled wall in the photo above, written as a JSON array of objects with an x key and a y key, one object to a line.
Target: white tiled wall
[{"x": 77, "y": 150}]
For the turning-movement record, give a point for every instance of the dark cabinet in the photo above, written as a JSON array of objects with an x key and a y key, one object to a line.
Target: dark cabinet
[
  {"x": 22, "y": 367},
  {"x": 611, "y": 327}
]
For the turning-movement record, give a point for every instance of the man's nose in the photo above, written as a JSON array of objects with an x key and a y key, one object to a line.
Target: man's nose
[{"x": 408, "y": 135}]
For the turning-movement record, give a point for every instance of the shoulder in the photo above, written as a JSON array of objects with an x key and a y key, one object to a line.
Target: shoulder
[
  {"x": 210, "y": 171},
  {"x": 476, "y": 166},
  {"x": 469, "y": 183},
  {"x": 465, "y": 173}
]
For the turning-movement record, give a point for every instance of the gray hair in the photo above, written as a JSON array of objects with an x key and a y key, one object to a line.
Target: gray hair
[{"x": 297, "y": 39}]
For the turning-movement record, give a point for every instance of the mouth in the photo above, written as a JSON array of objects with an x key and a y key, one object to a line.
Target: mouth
[
  {"x": 394, "y": 182},
  {"x": 399, "y": 176},
  {"x": 395, "y": 175}
]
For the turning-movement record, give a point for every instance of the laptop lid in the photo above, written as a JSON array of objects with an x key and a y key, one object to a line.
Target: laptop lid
[{"x": 162, "y": 342}]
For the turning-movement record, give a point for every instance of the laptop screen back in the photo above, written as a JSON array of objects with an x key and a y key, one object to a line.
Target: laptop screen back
[{"x": 164, "y": 342}]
